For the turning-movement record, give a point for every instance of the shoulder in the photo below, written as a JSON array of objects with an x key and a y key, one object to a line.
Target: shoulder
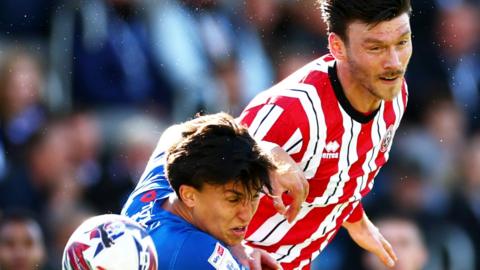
[
  {"x": 195, "y": 249},
  {"x": 303, "y": 81}
]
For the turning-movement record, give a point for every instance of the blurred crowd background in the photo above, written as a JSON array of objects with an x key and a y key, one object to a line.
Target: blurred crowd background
[{"x": 88, "y": 86}]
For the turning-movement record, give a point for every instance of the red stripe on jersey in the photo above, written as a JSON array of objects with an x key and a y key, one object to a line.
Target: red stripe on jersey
[
  {"x": 307, "y": 252},
  {"x": 334, "y": 125},
  {"x": 389, "y": 119},
  {"x": 247, "y": 116},
  {"x": 370, "y": 177},
  {"x": 264, "y": 211},
  {"x": 285, "y": 126},
  {"x": 364, "y": 144}
]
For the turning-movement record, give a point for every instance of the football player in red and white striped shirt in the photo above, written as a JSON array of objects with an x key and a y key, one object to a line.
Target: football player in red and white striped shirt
[{"x": 336, "y": 118}]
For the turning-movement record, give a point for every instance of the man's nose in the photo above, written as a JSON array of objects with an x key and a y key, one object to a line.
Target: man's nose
[{"x": 393, "y": 61}]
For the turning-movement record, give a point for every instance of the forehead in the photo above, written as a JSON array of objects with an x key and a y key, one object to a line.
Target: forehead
[
  {"x": 230, "y": 187},
  {"x": 16, "y": 230},
  {"x": 383, "y": 31}
]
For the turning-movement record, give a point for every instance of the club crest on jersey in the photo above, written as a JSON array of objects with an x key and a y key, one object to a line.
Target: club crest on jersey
[
  {"x": 387, "y": 139},
  {"x": 331, "y": 150}
]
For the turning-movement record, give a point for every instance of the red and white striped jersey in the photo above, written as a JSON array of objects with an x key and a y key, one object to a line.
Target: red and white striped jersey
[{"x": 339, "y": 149}]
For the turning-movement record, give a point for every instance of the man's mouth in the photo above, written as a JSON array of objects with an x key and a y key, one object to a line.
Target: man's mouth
[
  {"x": 241, "y": 230},
  {"x": 389, "y": 78}
]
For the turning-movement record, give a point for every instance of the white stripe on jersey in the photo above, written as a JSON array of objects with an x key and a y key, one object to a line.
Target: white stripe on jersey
[
  {"x": 308, "y": 97},
  {"x": 265, "y": 119},
  {"x": 378, "y": 128},
  {"x": 337, "y": 181},
  {"x": 277, "y": 229},
  {"x": 302, "y": 264},
  {"x": 295, "y": 143},
  {"x": 288, "y": 253}
]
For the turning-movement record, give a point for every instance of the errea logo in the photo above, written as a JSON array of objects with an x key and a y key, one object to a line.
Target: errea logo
[{"x": 331, "y": 150}]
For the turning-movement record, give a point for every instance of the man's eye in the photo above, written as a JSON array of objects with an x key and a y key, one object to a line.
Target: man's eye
[
  {"x": 233, "y": 200},
  {"x": 403, "y": 42},
  {"x": 374, "y": 49}
]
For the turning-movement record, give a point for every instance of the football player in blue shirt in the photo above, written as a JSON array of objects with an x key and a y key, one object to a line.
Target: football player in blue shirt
[{"x": 199, "y": 216}]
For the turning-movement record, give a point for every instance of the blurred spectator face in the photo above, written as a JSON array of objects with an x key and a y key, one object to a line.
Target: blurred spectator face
[
  {"x": 446, "y": 123},
  {"x": 20, "y": 84},
  {"x": 85, "y": 135},
  {"x": 137, "y": 137},
  {"x": 458, "y": 29},
  {"x": 49, "y": 157},
  {"x": 405, "y": 238},
  {"x": 263, "y": 14},
  {"x": 21, "y": 246}
]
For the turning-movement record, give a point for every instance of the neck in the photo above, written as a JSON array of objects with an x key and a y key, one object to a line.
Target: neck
[
  {"x": 175, "y": 206},
  {"x": 359, "y": 97}
]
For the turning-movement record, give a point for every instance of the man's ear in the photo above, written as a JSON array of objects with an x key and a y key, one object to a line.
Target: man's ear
[
  {"x": 337, "y": 46},
  {"x": 188, "y": 195}
]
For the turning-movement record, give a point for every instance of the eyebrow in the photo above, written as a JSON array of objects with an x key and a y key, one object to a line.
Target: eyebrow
[
  {"x": 234, "y": 192},
  {"x": 374, "y": 40}
]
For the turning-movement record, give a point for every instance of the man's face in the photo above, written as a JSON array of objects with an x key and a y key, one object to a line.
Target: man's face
[
  {"x": 378, "y": 55},
  {"x": 224, "y": 211},
  {"x": 21, "y": 247}
]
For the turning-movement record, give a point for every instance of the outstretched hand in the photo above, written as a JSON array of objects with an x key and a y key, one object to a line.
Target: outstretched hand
[
  {"x": 289, "y": 178},
  {"x": 367, "y": 236}
]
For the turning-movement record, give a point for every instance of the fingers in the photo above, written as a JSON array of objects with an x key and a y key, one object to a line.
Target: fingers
[
  {"x": 260, "y": 259},
  {"x": 388, "y": 247},
  {"x": 299, "y": 193},
  {"x": 278, "y": 204},
  {"x": 268, "y": 262},
  {"x": 386, "y": 253},
  {"x": 255, "y": 262}
]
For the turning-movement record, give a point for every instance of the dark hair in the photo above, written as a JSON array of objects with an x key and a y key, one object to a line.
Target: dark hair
[
  {"x": 337, "y": 14},
  {"x": 217, "y": 150}
]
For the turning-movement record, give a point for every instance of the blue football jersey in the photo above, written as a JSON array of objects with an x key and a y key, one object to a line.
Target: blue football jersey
[{"x": 179, "y": 244}]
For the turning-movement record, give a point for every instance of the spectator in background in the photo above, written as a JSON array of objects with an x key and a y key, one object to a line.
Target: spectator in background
[
  {"x": 436, "y": 148},
  {"x": 214, "y": 58},
  {"x": 465, "y": 208},
  {"x": 134, "y": 140},
  {"x": 86, "y": 147},
  {"x": 45, "y": 179},
  {"x": 458, "y": 41},
  {"x": 22, "y": 245},
  {"x": 21, "y": 109},
  {"x": 106, "y": 57},
  {"x": 407, "y": 240}
]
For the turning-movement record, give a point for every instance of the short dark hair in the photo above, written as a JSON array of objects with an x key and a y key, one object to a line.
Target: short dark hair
[
  {"x": 216, "y": 150},
  {"x": 337, "y": 14}
]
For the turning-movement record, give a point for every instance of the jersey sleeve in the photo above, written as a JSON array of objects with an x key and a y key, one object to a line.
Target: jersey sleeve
[
  {"x": 202, "y": 252},
  {"x": 153, "y": 186},
  {"x": 280, "y": 120},
  {"x": 357, "y": 214}
]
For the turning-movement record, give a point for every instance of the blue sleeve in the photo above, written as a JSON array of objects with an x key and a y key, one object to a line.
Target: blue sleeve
[
  {"x": 152, "y": 188},
  {"x": 201, "y": 251}
]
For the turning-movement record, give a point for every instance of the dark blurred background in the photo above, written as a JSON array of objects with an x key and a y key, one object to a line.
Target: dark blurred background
[{"x": 87, "y": 87}]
